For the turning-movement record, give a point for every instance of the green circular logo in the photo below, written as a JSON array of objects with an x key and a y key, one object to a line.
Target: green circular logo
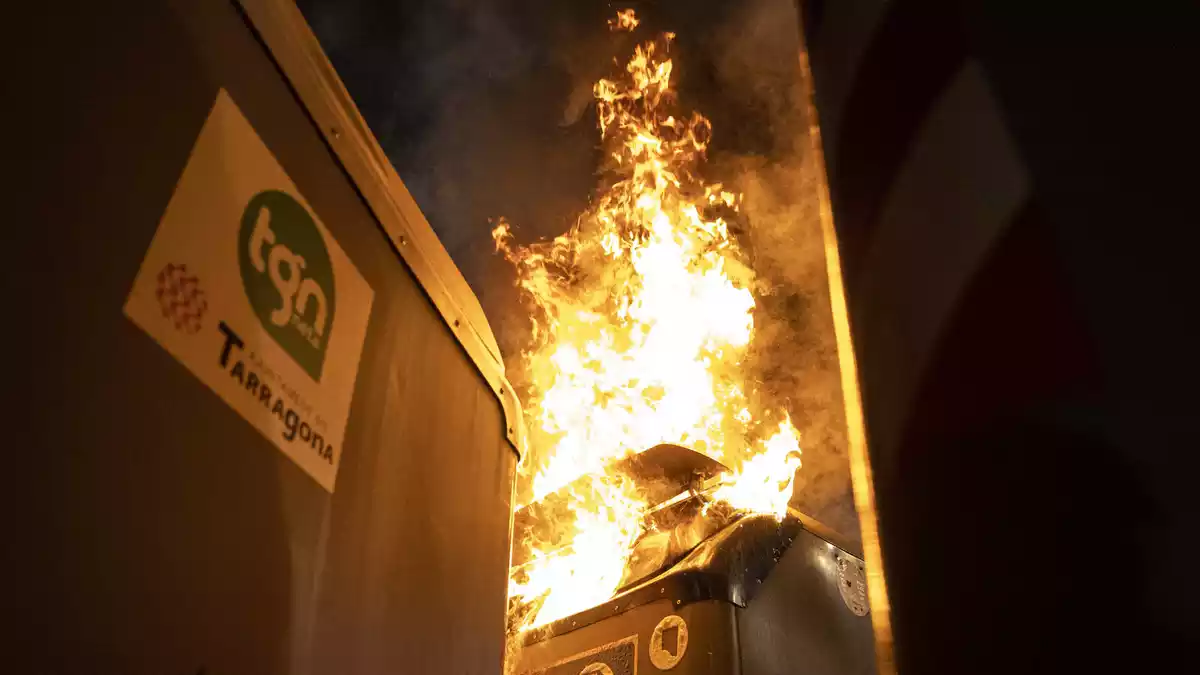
[{"x": 288, "y": 276}]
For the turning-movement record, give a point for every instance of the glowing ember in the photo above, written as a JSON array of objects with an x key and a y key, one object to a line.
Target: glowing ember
[
  {"x": 643, "y": 317},
  {"x": 625, "y": 20}
]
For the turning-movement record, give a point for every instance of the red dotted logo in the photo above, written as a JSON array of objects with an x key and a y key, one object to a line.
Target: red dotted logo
[{"x": 180, "y": 298}]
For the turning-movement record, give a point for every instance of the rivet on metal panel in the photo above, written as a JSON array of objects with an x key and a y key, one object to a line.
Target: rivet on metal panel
[
  {"x": 335, "y": 132},
  {"x": 403, "y": 240},
  {"x": 456, "y": 322}
]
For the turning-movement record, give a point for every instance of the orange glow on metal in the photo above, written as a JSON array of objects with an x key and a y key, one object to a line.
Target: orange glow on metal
[{"x": 860, "y": 463}]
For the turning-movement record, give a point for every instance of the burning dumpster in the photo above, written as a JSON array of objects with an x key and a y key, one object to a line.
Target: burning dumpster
[
  {"x": 708, "y": 590},
  {"x": 655, "y": 528},
  {"x": 758, "y": 597}
]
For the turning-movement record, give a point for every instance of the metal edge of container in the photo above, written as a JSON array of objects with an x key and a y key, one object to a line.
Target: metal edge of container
[
  {"x": 861, "y": 477},
  {"x": 727, "y": 566},
  {"x": 297, "y": 53}
]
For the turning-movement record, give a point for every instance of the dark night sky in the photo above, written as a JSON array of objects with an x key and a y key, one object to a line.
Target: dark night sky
[{"x": 484, "y": 109}]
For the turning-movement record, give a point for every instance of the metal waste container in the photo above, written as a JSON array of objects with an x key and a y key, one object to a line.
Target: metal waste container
[
  {"x": 267, "y": 426},
  {"x": 759, "y": 597}
]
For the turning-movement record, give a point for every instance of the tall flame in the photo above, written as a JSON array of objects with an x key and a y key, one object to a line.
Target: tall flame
[{"x": 643, "y": 315}]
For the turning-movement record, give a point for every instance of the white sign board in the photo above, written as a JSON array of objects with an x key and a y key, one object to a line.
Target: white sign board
[{"x": 245, "y": 286}]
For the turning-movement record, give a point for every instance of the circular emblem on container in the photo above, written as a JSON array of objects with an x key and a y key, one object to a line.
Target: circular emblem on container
[
  {"x": 661, "y": 655},
  {"x": 288, "y": 276},
  {"x": 852, "y": 582}
]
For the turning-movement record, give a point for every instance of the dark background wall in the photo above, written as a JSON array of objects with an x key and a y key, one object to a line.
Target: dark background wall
[{"x": 1010, "y": 186}]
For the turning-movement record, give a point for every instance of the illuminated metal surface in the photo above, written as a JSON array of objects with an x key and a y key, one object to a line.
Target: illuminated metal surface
[{"x": 860, "y": 463}]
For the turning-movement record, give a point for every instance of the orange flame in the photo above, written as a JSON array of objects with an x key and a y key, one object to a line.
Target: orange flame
[
  {"x": 643, "y": 317},
  {"x": 625, "y": 20},
  {"x": 763, "y": 485},
  {"x": 608, "y": 520}
]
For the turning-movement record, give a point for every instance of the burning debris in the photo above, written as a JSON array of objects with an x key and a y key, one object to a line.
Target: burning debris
[
  {"x": 625, "y": 20},
  {"x": 643, "y": 316}
]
